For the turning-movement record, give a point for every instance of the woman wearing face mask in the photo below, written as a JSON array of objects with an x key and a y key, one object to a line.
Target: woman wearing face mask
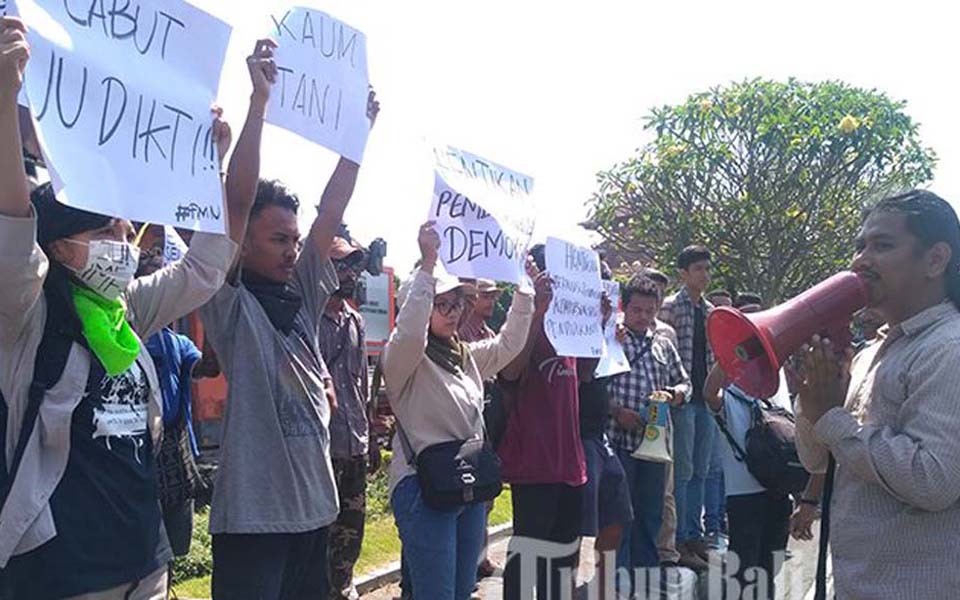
[
  {"x": 80, "y": 416},
  {"x": 435, "y": 386}
]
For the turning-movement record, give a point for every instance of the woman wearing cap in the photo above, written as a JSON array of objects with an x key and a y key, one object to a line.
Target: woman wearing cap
[
  {"x": 81, "y": 410},
  {"x": 435, "y": 386}
]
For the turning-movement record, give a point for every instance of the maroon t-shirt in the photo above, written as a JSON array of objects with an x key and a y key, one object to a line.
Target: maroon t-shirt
[{"x": 541, "y": 443}]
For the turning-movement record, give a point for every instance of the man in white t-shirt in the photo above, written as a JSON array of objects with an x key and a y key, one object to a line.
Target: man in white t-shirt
[{"x": 758, "y": 520}]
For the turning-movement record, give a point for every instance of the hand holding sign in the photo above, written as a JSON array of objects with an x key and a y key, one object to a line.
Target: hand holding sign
[
  {"x": 542, "y": 295},
  {"x": 263, "y": 71},
  {"x": 14, "y": 54},
  {"x": 429, "y": 241},
  {"x": 222, "y": 133}
]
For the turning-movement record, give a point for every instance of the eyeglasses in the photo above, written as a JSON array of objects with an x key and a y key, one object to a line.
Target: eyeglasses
[{"x": 446, "y": 308}]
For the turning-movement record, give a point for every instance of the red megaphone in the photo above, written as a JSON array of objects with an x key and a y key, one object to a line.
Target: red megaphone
[{"x": 751, "y": 349}]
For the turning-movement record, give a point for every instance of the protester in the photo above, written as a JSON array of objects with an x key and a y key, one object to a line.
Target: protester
[
  {"x": 82, "y": 516},
  {"x": 715, "y": 492},
  {"x": 483, "y": 294},
  {"x": 748, "y": 302},
  {"x": 890, "y": 421},
  {"x": 694, "y": 428},
  {"x": 541, "y": 451},
  {"x": 807, "y": 509},
  {"x": 607, "y": 508},
  {"x": 667, "y": 538},
  {"x": 434, "y": 382},
  {"x": 720, "y": 297},
  {"x": 177, "y": 361},
  {"x": 662, "y": 282},
  {"x": 759, "y": 523},
  {"x": 655, "y": 367},
  {"x": 343, "y": 347},
  {"x": 275, "y": 494}
]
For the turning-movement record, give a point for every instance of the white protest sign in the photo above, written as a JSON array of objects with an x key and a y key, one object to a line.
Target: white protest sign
[
  {"x": 378, "y": 311},
  {"x": 614, "y": 360},
  {"x": 174, "y": 248},
  {"x": 122, "y": 97},
  {"x": 573, "y": 321},
  {"x": 322, "y": 85},
  {"x": 484, "y": 213}
]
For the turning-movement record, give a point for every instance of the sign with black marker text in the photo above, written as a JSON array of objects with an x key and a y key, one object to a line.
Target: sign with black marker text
[
  {"x": 484, "y": 213},
  {"x": 573, "y": 322},
  {"x": 121, "y": 94},
  {"x": 322, "y": 85}
]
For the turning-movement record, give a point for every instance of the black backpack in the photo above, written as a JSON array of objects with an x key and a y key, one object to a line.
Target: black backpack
[
  {"x": 771, "y": 447},
  {"x": 59, "y": 334}
]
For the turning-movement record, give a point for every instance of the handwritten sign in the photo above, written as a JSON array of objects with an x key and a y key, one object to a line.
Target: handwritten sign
[
  {"x": 121, "y": 95},
  {"x": 174, "y": 248},
  {"x": 322, "y": 86},
  {"x": 573, "y": 321},
  {"x": 484, "y": 214},
  {"x": 614, "y": 360}
]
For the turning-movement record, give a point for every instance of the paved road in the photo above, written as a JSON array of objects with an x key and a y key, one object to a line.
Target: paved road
[{"x": 794, "y": 582}]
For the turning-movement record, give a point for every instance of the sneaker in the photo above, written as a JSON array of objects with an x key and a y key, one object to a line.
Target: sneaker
[
  {"x": 486, "y": 569},
  {"x": 700, "y": 548},
  {"x": 690, "y": 559},
  {"x": 717, "y": 541}
]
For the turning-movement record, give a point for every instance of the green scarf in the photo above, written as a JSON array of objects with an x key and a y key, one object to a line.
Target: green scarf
[
  {"x": 110, "y": 337},
  {"x": 450, "y": 354}
]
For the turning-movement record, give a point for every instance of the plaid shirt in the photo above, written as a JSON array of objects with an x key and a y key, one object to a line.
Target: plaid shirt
[
  {"x": 678, "y": 311},
  {"x": 655, "y": 365}
]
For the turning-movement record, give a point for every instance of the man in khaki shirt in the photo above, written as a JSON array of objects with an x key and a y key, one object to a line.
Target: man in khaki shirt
[{"x": 891, "y": 421}]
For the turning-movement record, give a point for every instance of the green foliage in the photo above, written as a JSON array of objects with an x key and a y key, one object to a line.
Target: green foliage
[
  {"x": 771, "y": 176},
  {"x": 199, "y": 561}
]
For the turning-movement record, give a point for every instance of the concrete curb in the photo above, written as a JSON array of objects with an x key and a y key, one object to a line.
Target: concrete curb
[{"x": 391, "y": 573}]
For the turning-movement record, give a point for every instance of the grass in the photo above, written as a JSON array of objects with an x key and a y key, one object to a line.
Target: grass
[{"x": 381, "y": 543}]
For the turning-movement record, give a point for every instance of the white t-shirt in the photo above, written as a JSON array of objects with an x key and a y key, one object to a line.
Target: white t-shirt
[{"x": 737, "y": 415}]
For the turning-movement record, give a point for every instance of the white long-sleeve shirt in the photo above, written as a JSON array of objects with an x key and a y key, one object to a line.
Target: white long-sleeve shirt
[{"x": 895, "y": 514}]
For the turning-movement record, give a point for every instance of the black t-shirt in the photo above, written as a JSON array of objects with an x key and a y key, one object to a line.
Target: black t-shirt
[
  {"x": 106, "y": 509},
  {"x": 698, "y": 375},
  {"x": 594, "y": 408}
]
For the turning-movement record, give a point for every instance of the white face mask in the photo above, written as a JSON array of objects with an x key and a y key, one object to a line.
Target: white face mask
[{"x": 110, "y": 268}]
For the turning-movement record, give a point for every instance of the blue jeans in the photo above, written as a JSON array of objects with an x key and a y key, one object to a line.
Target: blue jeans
[
  {"x": 694, "y": 431},
  {"x": 441, "y": 548},
  {"x": 645, "y": 480},
  {"x": 714, "y": 490}
]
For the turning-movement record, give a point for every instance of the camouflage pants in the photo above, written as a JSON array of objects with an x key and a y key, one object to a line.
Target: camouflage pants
[{"x": 346, "y": 534}]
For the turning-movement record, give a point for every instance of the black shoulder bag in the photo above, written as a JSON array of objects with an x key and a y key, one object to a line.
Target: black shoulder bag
[
  {"x": 455, "y": 473},
  {"x": 771, "y": 448}
]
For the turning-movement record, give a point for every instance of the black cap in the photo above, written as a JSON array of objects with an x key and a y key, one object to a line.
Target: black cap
[{"x": 56, "y": 221}]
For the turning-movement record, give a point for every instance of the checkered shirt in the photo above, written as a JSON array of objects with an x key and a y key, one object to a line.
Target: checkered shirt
[
  {"x": 678, "y": 311},
  {"x": 655, "y": 365}
]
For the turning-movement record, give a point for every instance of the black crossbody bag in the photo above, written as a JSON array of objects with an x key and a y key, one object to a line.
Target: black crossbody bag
[{"x": 455, "y": 473}]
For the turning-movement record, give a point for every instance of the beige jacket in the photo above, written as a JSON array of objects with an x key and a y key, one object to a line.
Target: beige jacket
[
  {"x": 431, "y": 404},
  {"x": 26, "y": 520}
]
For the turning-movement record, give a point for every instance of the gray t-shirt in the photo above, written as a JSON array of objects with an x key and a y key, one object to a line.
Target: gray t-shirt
[{"x": 275, "y": 474}]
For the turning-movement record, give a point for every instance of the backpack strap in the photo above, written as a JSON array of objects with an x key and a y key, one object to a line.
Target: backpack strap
[
  {"x": 50, "y": 361},
  {"x": 738, "y": 452}
]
